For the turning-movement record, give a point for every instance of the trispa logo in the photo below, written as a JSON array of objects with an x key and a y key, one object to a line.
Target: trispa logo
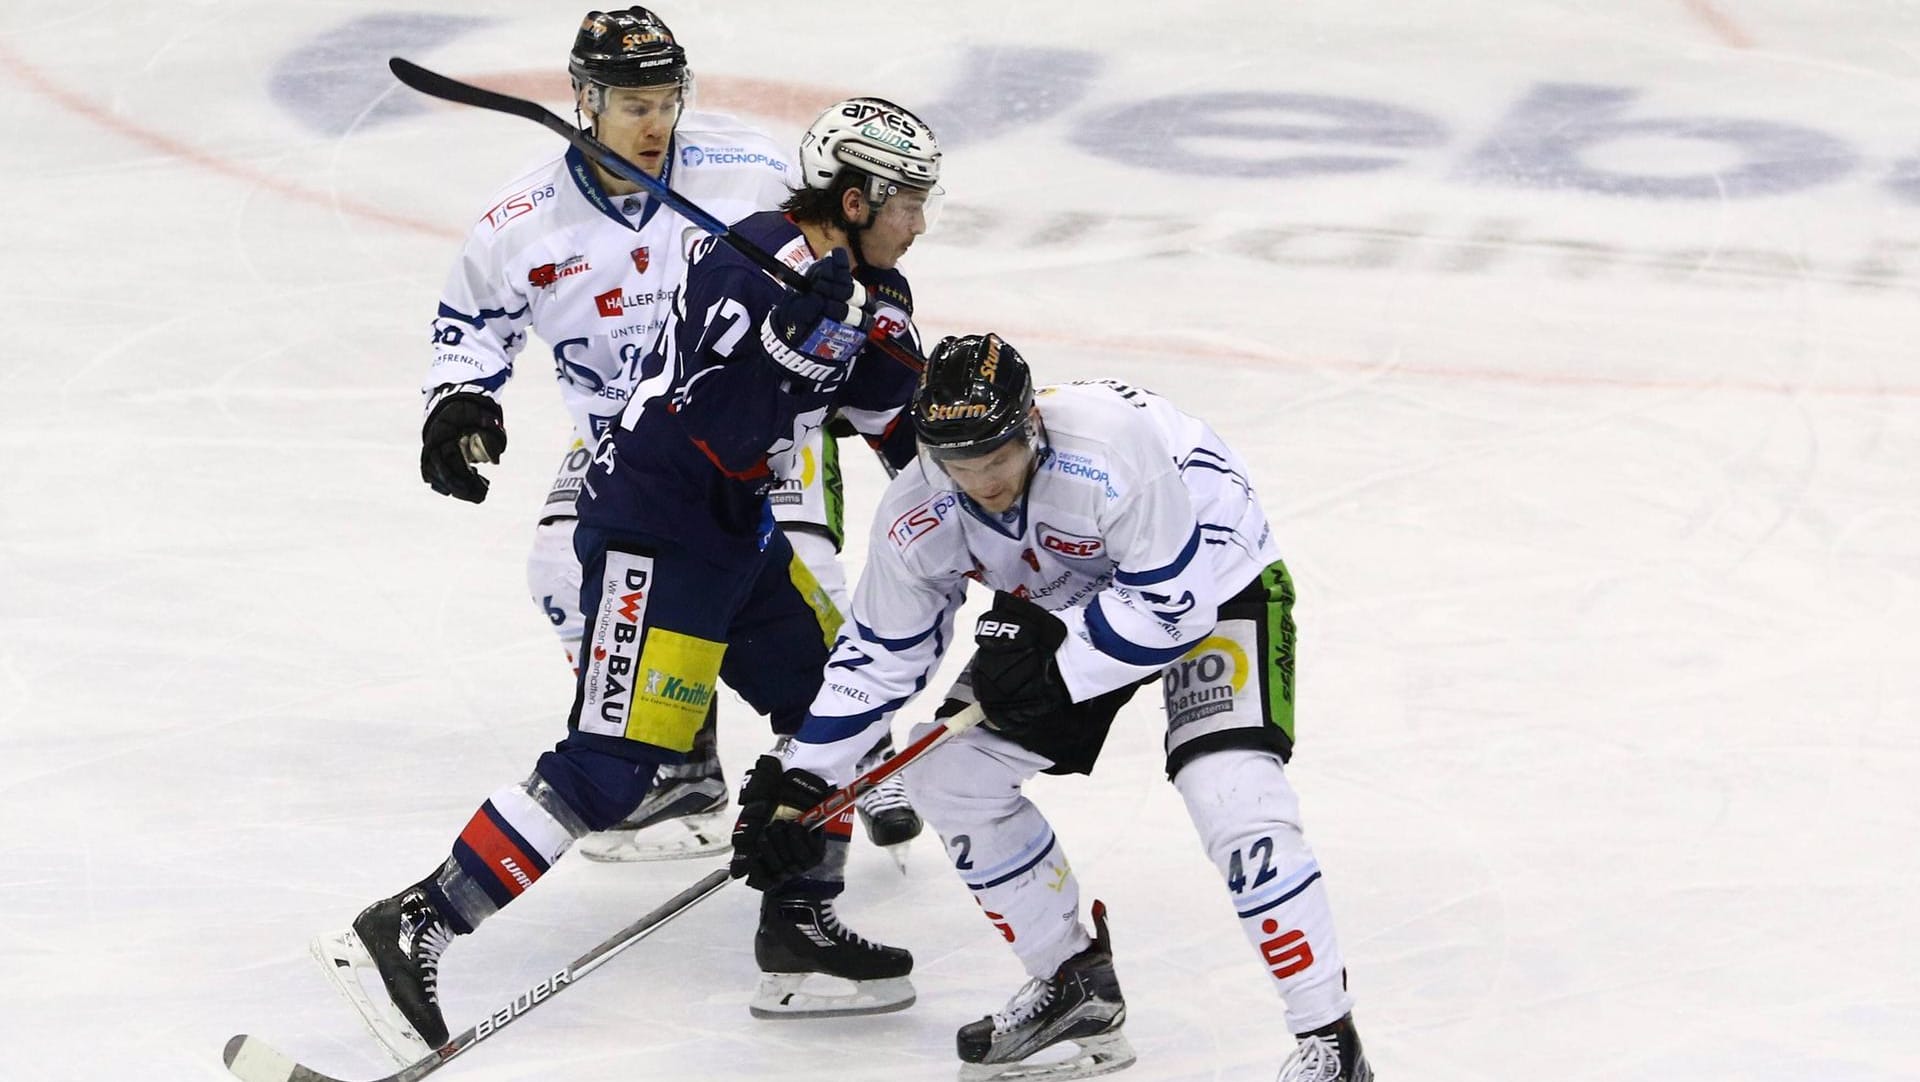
[
  {"x": 519, "y": 203},
  {"x": 922, "y": 520}
]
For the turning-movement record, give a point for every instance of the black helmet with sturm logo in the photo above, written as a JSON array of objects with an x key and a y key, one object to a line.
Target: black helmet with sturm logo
[
  {"x": 975, "y": 396},
  {"x": 626, "y": 48}
]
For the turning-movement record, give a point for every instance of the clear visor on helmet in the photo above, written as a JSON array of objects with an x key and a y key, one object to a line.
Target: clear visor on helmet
[
  {"x": 989, "y": 463},
  {"x": 905, "y": 202}
]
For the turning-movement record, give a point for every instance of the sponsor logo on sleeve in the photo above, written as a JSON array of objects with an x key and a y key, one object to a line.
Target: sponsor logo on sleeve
[
  {"x": 519, "y": 204},
  {"x": 922, "y": 520}
]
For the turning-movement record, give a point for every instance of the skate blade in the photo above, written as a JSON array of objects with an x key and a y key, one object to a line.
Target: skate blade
[
  {"x": 345, "y": 961},
  {"x": 676, "y": 839},
  {"x": 820, "y": 995},
  {"x": 899, "y": 855},
  {"x": 1100, "y": 1055}
]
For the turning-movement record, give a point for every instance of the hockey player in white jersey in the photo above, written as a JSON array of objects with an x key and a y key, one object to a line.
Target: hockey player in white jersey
[
  {"x": 1126, "y": 547},
  {"x": 591, "y": 263}
]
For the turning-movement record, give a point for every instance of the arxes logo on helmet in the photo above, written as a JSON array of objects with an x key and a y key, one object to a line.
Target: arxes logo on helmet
[{"x": 883, "y": 123}]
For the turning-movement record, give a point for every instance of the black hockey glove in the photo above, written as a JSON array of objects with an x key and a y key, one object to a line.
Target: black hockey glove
[
  {"x": 1015, "y": 677},
  {"x": 815, "y": 334},
  {"x": 463, "y": 426},
  {"x": 769, "y": 844}
]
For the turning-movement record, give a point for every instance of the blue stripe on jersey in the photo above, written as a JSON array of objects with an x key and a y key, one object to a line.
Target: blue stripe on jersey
[
  {"x": 1232, "y": 536},
  {"x": 1161, "y": 574},
  {"x": 818, "y": 729},
  {"x": 1111, "y": 643},
  {"x": 476, "y": 322},
  {"x": 873, "y": 636},
  {"x": 1020, "y": 865},
  {"x": 1288, "y": 890},
  {"x": 1230, "y": 472},
  {"x": 495, "y": 381}
]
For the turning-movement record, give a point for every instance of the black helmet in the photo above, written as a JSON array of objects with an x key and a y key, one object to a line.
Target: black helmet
[
  {"x": 626, "y": 48},
  {"x": 975, "y": 395}
]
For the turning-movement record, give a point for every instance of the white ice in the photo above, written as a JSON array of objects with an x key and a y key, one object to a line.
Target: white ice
[{"x": 1603, "y": 508}]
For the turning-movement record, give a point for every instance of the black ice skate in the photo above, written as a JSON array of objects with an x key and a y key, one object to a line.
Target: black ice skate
[
  {"x": 1331, "y": 1053},
  {"x": 388, "y": 967},
  {"x": 884, "y": 811},
  {"x": 684, "y": 815},
  {"x": 1080, "y": 1003},
  {"x": 812, "y": 965}
]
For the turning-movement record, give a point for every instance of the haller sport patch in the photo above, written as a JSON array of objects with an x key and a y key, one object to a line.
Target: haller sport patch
[{"x": 612, "y": 650}]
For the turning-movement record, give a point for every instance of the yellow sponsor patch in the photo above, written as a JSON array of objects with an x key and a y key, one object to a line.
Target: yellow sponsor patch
[
  {"x": 676, "y": 677},
  {"x": 824, "y": 610}
]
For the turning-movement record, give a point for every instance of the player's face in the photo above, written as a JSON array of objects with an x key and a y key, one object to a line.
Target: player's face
[
  {"x": 996, "y": 479},
  {"x": 901, "y": 218},
  {"x": 637, "y": 123}
]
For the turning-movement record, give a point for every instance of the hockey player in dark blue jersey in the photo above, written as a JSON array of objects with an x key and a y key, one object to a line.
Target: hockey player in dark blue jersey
[{"x": 687, "y": 581}]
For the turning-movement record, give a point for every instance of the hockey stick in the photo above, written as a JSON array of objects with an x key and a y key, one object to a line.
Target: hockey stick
[
  {"x": 434, "y": 84},
  {"x": 253, "y": 1060}
]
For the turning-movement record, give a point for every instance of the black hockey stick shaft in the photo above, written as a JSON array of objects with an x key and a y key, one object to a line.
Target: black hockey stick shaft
[
  {"x": 434, "y": 84},
  {"x": 253, "y": 1060}
]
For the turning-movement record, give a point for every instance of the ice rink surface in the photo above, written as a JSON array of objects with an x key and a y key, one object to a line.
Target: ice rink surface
[{"x": 1572, "y": 344}]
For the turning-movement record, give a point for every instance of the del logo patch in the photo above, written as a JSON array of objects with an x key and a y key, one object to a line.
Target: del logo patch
[{"x": 1072, "y": 546}]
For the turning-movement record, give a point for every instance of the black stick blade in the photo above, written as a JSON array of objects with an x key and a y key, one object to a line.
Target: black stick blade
[{"x": 434, "y": 84}]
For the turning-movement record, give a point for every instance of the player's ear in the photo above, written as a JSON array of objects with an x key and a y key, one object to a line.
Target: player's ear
[{"x": 853, "y": 206}]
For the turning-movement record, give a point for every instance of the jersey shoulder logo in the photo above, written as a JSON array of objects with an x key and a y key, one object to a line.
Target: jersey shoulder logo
[
  {"x": 922, "y": 520},
  {"x": 519, "y": 204}
]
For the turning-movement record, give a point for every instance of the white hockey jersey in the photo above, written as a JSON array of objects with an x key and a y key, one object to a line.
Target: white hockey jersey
[
  {"x": 594, "y": 275},
  {"x": 1138, "y": 523}
]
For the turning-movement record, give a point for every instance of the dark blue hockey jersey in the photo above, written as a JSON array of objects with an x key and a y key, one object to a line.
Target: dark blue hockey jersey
[{"x": 715, "y": 422}]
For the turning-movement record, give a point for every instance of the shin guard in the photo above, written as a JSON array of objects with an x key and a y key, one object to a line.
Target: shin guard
[{"x": 1249, "y": 820}]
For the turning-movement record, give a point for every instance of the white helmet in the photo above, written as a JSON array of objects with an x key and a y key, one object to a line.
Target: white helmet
[{"x": 890, "y": 145}]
